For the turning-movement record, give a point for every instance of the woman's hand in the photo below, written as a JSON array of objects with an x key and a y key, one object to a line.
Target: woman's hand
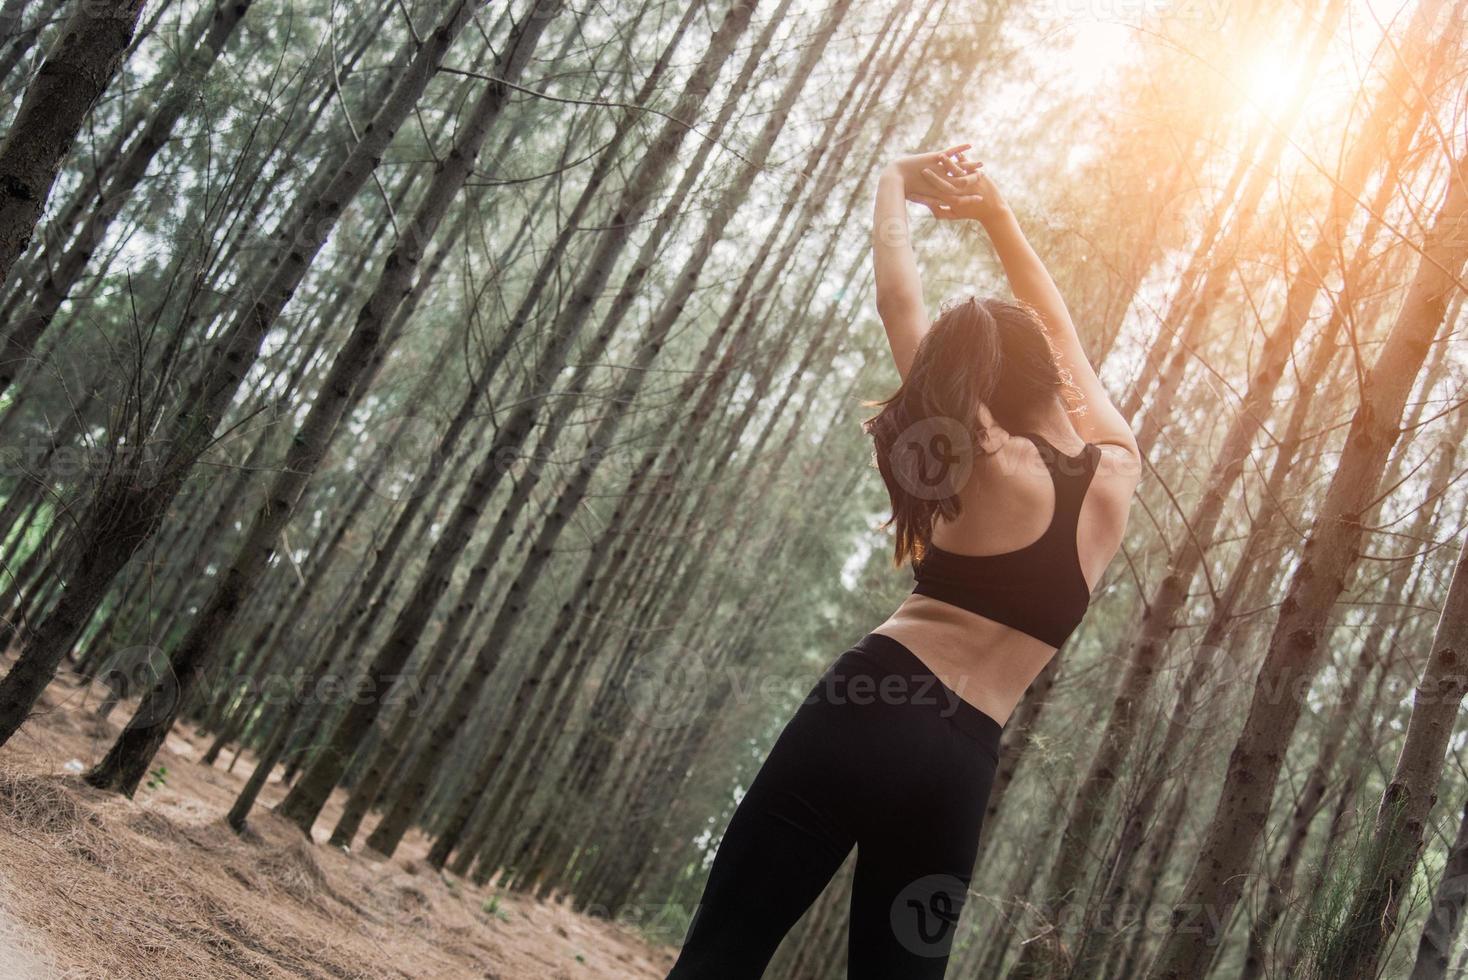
[
  {"x": 967, "y": 194},
  {"x": 951, "y": 162}
]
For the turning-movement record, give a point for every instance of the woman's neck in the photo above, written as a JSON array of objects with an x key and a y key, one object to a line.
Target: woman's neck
[{"x": 1054, "y": 426}]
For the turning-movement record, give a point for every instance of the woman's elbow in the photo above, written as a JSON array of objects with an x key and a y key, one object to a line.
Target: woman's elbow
[{"x": 897, "y": 305}]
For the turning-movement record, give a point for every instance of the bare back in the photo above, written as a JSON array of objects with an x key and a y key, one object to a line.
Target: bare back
[{"x": 1008, "y": 503}]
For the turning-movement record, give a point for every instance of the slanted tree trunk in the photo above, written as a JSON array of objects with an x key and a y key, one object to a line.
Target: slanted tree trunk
[
  {"x": 1212, "y": 268},
  {"x": 354, "y": 629},
  {"x": 1445, "y": 918},
  {"x": 71, "y": 80},
  {"x": 310, "y": 792},
  {"x": 12, "y": 16},
  {"x": 24, "y": 36},
  {"x": 396, "y": 821},
  {"x": 1149, "y": 643},
  {"x": 389, "y": 832},
  {"x": 356, "y": 363},
  {"x": 132, "y": 502},
  {"x": 1321, "y": 575},
  {"x": 1316, "y": 785},
  {"x": 60, "y": 273},
  {"x": 1356, "y": 947},
  {"x": 592, "y": 752}
]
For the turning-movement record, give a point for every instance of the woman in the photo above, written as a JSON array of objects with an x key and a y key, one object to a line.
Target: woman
[{"x": 1010, "y": 504}]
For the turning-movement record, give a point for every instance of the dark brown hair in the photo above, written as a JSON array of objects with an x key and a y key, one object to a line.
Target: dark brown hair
[{"x": 978, "y": 352}]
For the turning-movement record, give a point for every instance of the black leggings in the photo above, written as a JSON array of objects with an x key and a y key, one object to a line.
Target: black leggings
[{"x": 880, "y": 756}]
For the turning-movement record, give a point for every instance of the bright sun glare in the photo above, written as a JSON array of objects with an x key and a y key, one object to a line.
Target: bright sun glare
[{"x": 1267, "y": 78}]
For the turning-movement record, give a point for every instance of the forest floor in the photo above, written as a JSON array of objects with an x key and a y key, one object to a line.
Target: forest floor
[{"x": 95, "y": 885}]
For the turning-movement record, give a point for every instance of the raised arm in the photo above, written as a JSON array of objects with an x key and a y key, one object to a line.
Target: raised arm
[
  {"x": 975, "y": 196},
  {"x": 899, "y": 286}
]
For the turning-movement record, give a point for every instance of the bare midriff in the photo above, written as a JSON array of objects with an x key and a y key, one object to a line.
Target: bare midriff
[{"x": 987, "y": 664}]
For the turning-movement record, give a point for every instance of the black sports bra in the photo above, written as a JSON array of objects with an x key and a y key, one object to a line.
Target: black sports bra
[{"x": 1038, "y": 589}]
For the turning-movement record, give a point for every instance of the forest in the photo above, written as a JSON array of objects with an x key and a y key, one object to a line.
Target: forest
[{"x": 432, "y": 472}]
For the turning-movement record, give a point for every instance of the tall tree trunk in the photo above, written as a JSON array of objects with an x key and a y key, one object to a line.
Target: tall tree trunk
[
  {"x": 24, "y": 37},
  {"x": 131, "y": 503},
  {"x": 1445, "y": 918},
  {"x": 1148, "y": 645},
  {"x": 1384, "y": 877},
  {"x": 1321, "y": 575},
  {"x": 356, "y": 363},
  {"x": 60, "y": 273},
  {"x": 354, "y": 629},
  {"x": 1316, "y": 785},
  {"x": 73, "y": 77},
  {"x": 389, "y": 832},
  {"x": 395, "y": 823},
  {"x": 309, "y": 794},
  {"x": 1211, "y": 268}
]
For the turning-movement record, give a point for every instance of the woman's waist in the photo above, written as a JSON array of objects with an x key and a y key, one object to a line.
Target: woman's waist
[{"x": 989, "y": 664}]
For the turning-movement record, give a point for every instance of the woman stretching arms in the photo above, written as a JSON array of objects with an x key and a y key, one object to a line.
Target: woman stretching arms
[{"x": 1009, "y": 504}]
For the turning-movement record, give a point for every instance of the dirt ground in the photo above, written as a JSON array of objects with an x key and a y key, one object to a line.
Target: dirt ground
[{"x": 96, "y": 885}]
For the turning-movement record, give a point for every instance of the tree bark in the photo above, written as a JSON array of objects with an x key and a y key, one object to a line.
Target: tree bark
[
  {"x": 1445, "y": 918},
  {"x": 389, "y": 832},
  {"x": 356, "y": 363},
  {"x": 1385, "y": 875},
  {"x": 132, "y": 503},
  {"x": 1149, "y": 643},
  {"x": 1321, "y": 575},
  {"x": 309, "y": 794},
  {"x": 62, "y": 272},
  {"x": 73, "y": 77}
]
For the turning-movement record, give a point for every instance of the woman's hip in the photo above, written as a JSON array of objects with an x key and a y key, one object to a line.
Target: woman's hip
[{"x": 880, "y": 682}]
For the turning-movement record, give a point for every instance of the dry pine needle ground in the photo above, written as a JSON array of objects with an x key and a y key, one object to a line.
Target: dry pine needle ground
[{"x": 95, "y": 885}]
